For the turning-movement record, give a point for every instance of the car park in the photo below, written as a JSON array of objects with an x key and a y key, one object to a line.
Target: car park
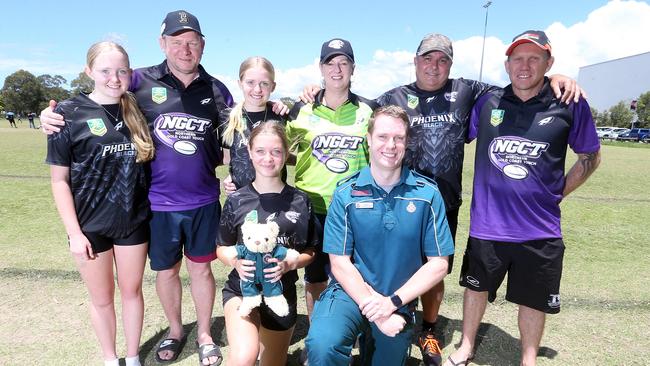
[
  {"x": 635, "y": 134},
  {"x": 613, "y": 133}
]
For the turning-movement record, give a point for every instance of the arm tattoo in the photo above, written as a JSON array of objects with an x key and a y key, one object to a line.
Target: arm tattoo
[{"x": 588, "y": 162}]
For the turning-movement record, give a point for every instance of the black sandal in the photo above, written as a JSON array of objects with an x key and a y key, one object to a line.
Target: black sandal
[
  {"x": 209, "y": 350},
  {"x": 170, "y": 344}
]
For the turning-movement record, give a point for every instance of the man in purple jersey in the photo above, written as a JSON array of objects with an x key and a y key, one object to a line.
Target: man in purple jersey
[{"x": 522, "y": 135}]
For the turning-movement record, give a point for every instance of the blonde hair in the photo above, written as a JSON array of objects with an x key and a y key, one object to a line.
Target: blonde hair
[
  {"x": 135, "y": 121},
  {"x": 236, "y": 120}
]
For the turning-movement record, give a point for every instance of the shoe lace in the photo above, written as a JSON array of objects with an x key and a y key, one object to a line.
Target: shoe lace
[{"x": 430, "y": 344}]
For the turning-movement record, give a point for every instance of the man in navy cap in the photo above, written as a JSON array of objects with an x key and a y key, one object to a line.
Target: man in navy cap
[{"x": 522, "y": 135}]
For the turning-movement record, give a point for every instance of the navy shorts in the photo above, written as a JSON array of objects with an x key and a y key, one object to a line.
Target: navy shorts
[
  {"x": 268, "y": 318},
  {"x": 101, "y": 243},
  {"x": 534, "y": 271},
  {"x": 190, "y": 232},
  {"x": 318, "y": 270}
]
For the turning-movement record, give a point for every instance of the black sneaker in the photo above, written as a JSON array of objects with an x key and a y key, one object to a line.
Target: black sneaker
[{"x": 430, "y": 348}]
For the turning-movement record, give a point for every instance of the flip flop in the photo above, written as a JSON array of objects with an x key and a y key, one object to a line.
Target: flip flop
[
  {"x": 170, "y": 344},
  {"x": 208, "y": 350},
  {"x": 460, "y": 363}
]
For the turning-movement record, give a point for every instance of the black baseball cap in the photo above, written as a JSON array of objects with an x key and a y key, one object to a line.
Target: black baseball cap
[
  {"x": 535, "y": 37},
  {"x": 334, "y": 47},
  {"x": 179, "y": 20}
]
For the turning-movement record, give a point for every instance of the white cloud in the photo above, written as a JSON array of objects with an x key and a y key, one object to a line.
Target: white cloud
[{"x": 615, "y": 30}]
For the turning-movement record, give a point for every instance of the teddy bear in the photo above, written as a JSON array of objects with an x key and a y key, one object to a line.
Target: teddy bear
[{"x": 260, "y": 245}]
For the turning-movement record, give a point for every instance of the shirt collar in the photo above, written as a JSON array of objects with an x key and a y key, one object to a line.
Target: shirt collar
[
  {"x": 352, "y": 98},
  {"x": 365, "y": 178},
  {"x": 165, "y": 75},
  {"x": 545, "y": 94}
]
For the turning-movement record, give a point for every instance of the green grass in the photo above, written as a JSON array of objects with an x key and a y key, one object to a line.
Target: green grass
[{"x": 606, "y": 300}]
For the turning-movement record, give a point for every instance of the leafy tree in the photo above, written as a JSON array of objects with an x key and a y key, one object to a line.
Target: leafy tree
[
  {"x": 21, "y": 92},
  {"x": 52, "y": 89},
  {"x": 596, "y": 116},
  {"x": 643, "y": 109},
  {"x": 83, "y": 83},
  {"x": 288, "y": 101},
  {"x": 621, "y": 115}
]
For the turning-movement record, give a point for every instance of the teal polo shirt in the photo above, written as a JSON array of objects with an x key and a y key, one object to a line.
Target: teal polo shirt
[{"x": 388, "y": 235}]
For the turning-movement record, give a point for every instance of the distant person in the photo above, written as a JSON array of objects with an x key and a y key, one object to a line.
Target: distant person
[
  {"x": 522, "y": 134},
  {"x": 107, "y": 140},
  {"x": 30, "y": 117},
  {"x": 183, "y": 105},
  {"x": 271, "y": 200},
  {"x": 382, "y": 222},
  {"x": 11, "y": 119}
]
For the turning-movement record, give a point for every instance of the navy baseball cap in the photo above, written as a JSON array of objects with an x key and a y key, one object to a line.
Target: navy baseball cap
[
  {"x": 535, "y": 37},
  {"x": 179, "y": 20},
  {"x": 334, "y": 47}
]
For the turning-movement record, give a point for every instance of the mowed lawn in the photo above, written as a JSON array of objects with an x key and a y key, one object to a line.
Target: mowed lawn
[{"x": 605, "y": 317}]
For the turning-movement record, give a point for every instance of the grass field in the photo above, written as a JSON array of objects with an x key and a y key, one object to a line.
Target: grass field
[{"x": 605, "y": 318}]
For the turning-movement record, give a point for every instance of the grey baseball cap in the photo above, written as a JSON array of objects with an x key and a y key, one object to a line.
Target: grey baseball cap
[{"x": 436, "y": 42}]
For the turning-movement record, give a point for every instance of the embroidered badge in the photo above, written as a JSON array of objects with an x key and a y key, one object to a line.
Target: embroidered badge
[
  {"x": 97, "y": 126},
  {"x": 412, "y": 101},
  {"x": 497, "y": 117},
  {"x": 158, "y": 95},
  {"x": 411, "y": 207}
]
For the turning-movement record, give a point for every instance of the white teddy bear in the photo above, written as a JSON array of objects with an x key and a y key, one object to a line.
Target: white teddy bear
[{"x": 260, "y": 245}]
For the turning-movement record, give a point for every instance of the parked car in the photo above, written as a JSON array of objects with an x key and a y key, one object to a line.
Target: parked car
[
  {"x": 614, "y": 133},
  {"x": 600, "y": 131},
  {"x": 635, "y": 134}
]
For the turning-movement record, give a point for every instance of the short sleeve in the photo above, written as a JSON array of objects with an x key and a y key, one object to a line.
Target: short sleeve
[
  {"x": 227, "y": 235},
  {"x": 337, "y": 237},
  {"x": 59, "y": 145},
  {"x": 437, "y": 236}
]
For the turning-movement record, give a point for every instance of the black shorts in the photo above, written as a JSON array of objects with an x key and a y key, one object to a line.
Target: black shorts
[
  {"x": 534, "y": 271},
  {"x": 318, "y": 270},
  {"x": 101, "y": 243},
  {"x": 268, "y": 318},
  {"x": 452, "y": 221}
]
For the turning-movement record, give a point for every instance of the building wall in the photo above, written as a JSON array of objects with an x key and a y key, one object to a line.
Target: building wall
[{"x": 610, "y": 82}]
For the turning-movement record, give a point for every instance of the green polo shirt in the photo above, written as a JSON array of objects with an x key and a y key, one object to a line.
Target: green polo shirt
[{"x": 330, "y": 144}]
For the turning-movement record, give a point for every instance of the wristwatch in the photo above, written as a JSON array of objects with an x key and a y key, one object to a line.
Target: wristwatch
[{"x": 396, "y": 300}]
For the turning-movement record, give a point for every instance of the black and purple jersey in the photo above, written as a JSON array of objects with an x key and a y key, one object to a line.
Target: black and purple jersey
[
  {"x": 184, "y": 126},
  {"x": 519, "y": 168},
  {"x": 438, "y": 130},
  {"x": 108, "y": 187},
  {"x": 290, "y": 209},
  {"x": 241, "y": 168}
]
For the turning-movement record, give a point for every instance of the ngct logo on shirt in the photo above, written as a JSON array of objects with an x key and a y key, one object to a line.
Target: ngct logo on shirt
[
  {"x": 181, "y": 131},
  {"x": 513, "y": 155}
]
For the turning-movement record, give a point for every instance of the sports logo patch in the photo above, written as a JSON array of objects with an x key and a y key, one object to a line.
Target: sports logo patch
[
  {"x": 158, "y": 95},
  {"x": 497, "y": 117},
  {"x": 97, "y": 126},
  {"x": 412, "y": 101},
  {"x": 451, "y": 97},
  {"x": 411, "y": 207},
  {"x": 545, "y": 121}
]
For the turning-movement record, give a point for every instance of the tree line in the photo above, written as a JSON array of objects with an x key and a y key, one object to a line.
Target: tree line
[
  {"x": 623, "y": 113},
  {"x": 23, "y": 92}
]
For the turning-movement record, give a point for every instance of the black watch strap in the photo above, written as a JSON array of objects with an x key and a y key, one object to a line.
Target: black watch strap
[{"x": 396, "y": 300}]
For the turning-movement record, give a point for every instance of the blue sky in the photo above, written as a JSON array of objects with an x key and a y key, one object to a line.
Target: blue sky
[{"x": 52, "y": 37}]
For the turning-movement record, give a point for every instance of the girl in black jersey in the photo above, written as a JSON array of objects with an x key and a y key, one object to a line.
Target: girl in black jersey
[
  {"x": 257, "y": 82},
  {"x": 99, "y": 188},
  {"x": 263, "y": 332}
]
